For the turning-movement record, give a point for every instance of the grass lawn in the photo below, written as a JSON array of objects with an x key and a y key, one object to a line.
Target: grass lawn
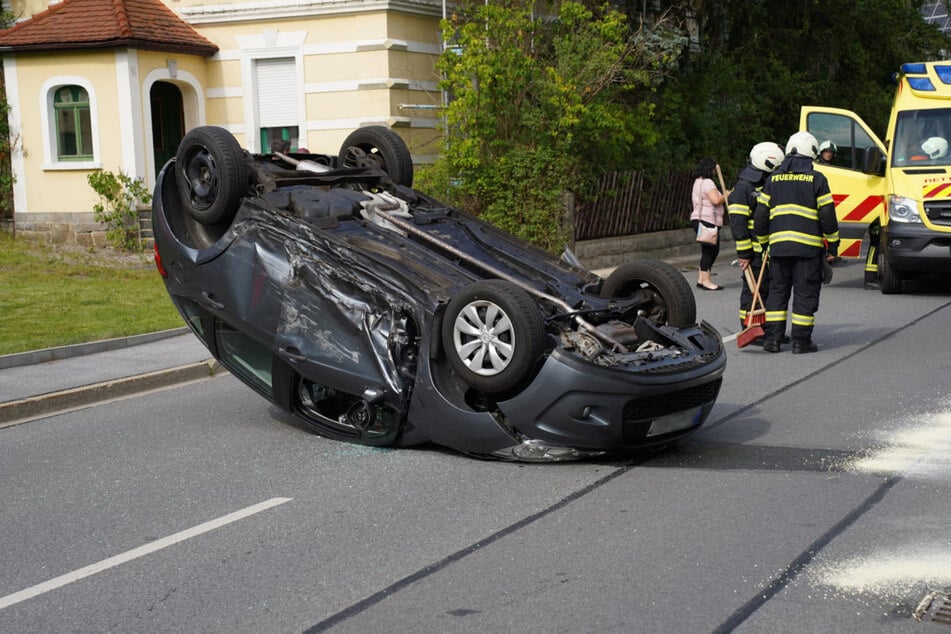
[{"x": 54, "y": 295}]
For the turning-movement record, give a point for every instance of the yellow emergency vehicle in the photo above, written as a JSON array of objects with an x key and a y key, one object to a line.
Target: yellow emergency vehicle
[{"x": 903, "y": 182}]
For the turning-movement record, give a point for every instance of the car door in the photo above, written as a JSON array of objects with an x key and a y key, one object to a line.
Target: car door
[{"x": 859, "y": 197}]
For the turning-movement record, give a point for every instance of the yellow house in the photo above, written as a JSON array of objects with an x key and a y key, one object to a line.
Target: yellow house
[{"x": 115, "y": 84}]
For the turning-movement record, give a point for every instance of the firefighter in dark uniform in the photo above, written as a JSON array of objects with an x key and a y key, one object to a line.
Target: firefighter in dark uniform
[
  {"x": 795, "y": 218},
  {"x": 764, "y": 158}
]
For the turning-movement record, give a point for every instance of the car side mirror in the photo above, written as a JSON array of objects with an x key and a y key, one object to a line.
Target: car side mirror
[{"x": 873, "y": 162}]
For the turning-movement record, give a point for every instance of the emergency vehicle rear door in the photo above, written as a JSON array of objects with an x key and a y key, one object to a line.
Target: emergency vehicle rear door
[{"x": 859, "y": 197}]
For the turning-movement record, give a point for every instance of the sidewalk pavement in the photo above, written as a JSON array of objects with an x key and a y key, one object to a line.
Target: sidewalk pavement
[
  {"x": 55, "y": 380},
  {"x": 44, "y": 382}
]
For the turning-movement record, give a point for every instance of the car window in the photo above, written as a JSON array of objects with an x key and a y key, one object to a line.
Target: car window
[
  {"x": 244, "y": 356},
  {"x": 193, "y": 316},
  {"x": 849, "y": 137}
]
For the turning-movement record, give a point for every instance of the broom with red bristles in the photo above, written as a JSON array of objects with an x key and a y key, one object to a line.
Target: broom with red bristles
[{"x": 755, "y": 317}]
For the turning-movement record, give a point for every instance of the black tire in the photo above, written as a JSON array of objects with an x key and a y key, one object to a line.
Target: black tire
[
  {"x": 673, "y": 301},
  {"x": 493, "y": 335},
  {"x": 891, "y": 278},
  {"x": 212, "y": 174},
  {"x": 378, "y": 146}
]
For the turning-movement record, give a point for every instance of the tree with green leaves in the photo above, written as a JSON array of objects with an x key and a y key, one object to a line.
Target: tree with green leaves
[
  {"x": 6, "y": 143},
  {"x": 759, "y": 61},
  {"x": 542, "y": 100},
  {"x": 6, "y": 165}
]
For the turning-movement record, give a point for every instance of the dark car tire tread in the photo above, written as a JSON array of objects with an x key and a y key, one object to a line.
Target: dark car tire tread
[
  {"x": 891, "y": 278},
  {"x": 211, "y": 172},
  {"x": 383, "y": 143},
  {"x": 679, "y": 304}
]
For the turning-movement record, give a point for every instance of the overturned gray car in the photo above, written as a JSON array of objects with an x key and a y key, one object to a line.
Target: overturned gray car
[{"x": 378, "y": 315}]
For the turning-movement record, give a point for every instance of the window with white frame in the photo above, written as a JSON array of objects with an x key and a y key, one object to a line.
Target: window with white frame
[
  {"x": 276, "y": 87},
  {"x": 73, "y": 124}
]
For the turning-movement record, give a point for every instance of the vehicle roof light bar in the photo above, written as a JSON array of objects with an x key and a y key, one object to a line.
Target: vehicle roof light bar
[
  {"x": 921, "y": 83},
  {"x": 914, "y": 69},
  {"x": 944, "y": 73}
]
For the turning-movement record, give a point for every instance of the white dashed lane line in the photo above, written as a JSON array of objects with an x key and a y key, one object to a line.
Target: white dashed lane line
[{"x": 135, "y": 553}]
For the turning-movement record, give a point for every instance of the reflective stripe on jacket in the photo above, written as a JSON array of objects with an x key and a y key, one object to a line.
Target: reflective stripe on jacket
[
  {"x": 742, "y": 204},
  {"x": 795, "y": 214}
]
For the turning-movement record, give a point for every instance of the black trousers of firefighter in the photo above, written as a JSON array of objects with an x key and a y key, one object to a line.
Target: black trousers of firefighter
[
  {"x": 801, "y": 278},
  {"x": 871, "y": 258}
]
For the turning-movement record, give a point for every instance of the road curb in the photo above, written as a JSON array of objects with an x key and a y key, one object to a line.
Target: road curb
[
  {"x": 65, "y": 352},
  {"x": 23, "y": 410}
]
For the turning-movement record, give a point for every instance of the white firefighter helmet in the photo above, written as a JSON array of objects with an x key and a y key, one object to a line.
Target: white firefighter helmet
[
  {"x": 935, "y": 147},
  {"x": 828, "y": 144},
  {"x": 803, "y": 144},
  {"x": 766, "y": 156}
]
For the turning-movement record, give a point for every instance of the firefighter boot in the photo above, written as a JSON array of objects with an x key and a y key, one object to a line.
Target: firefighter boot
[
  {"x": 773, "y": 337},
  {"x": 771, "y": 345},
  {"x": 803, "y": 346}
]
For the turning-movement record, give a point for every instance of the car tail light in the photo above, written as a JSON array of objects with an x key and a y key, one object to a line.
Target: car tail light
[{"x": 158, "y": 261}]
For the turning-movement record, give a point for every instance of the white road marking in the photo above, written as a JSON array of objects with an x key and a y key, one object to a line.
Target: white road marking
[{"x": 135, "y": 553}]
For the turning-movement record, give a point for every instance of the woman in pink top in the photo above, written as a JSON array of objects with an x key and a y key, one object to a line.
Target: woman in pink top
[{"x": 707, "y": 208}]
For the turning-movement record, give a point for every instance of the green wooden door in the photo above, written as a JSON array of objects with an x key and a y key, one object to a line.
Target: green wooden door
[{"x": 168, "y": 121}]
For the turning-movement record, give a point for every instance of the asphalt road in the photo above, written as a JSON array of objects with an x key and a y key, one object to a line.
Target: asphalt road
[{"x": 814, "y": 500}]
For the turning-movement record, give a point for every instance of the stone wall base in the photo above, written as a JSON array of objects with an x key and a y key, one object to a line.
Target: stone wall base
[
  {"x": 69, "y": 229},
  {"x": 62, "y": 233},
  {"x": 609, "y": 252}
]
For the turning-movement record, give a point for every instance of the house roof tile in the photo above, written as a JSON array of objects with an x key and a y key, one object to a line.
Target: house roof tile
[{"x": 78, "y": 24}]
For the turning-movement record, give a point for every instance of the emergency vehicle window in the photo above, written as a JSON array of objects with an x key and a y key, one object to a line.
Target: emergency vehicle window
[
  {"x": 847, "y": 135},
  {"x": 922, "y": 137}
]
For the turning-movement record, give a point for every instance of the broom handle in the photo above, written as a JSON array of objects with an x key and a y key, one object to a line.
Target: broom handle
[
  {"x": 751, "y": 284},
  {"x": 759, "y": 280},
  {"x": 722, "y": 189},
  {"x": 722, "y": 186}
]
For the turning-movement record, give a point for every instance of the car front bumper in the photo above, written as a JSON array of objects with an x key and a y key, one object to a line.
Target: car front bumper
[
  {"x": 915, "y": 247},
  {"x": 574, "y": 409},
  {"x": 572, "y": 403}
]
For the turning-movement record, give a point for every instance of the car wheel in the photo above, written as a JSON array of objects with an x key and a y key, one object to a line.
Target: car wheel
[
  {"x": 672, "y": 301},
  {"x": 378, "y": 146},
  {"x": 493, "y": 335},
  {"x": 891, "y": 278},
  {"x": 211, "y": 174}
]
